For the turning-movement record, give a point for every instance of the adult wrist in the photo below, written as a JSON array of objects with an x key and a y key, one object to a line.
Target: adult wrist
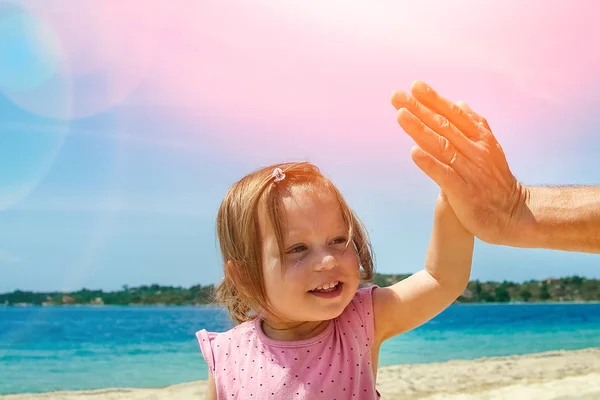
[{"x": 525, "y": 230}]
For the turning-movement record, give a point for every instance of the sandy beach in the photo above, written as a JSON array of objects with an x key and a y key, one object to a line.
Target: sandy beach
[{"x": 558, "y": 375}]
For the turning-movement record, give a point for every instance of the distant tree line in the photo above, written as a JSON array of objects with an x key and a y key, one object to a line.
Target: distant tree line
[
  {"x": 142, "y": 295},
  {"x": 574, "y": 288},
  {"x": 567, "y": 289}
]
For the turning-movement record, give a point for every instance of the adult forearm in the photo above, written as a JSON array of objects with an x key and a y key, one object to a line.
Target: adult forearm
[{"x": 560, "y": 218}]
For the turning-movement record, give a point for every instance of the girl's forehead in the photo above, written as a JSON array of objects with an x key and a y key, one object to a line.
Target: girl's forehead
[
  {"x": 303, "y": 200},
  {"x": 303, "y": 211},
  {"x": 303, "y": 208}
]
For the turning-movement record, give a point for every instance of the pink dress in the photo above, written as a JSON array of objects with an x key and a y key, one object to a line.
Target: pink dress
[{"x": 336, "y": 364}]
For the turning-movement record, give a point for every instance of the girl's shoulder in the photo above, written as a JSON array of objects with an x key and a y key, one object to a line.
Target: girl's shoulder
[
  {"x": 361, "y": 305},
  {"x": 363, "y": 298},
  {"x": 223, "y": 342},
  {"x": 358, "y": 314}
]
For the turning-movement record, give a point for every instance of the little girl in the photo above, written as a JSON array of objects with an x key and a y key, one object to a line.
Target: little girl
[{"x": 294, "y": 254}]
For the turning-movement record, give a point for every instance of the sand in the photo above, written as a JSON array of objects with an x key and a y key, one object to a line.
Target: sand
[{"x": 557, "y": 375}]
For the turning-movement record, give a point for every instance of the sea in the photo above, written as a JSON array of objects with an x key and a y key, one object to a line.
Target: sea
[{"x": 45, "y": 349}]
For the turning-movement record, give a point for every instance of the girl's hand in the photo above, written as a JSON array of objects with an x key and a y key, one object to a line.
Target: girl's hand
[{"x": 457, "y": 149}]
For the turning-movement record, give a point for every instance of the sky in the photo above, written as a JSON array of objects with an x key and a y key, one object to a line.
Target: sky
[{"x": 123, "y": 124}]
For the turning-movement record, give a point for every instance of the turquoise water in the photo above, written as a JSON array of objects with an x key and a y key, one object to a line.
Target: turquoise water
[{"x": 68, "y": 348}]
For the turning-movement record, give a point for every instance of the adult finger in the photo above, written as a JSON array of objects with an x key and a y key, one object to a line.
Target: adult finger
[
  {"x": 440, "y": 105},
  {"x": 445, "y": 176},
  {"x": 434, "y": 144},
  {"x": 483, "y": 122},
  {"x": 473, "y": 114},
  {"x": 436, "y": 122}
]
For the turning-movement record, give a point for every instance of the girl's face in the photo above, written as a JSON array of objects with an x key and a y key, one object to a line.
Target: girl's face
[{"x": 321, "y": 272}]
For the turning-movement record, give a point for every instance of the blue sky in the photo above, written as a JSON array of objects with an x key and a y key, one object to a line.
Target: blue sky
[
  {"x": 107, "y": 180},
  {"x": 88, "y": 208}
]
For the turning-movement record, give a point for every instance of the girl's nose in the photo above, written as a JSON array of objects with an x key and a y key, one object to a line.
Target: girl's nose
[{"x": 325, "y": 261}]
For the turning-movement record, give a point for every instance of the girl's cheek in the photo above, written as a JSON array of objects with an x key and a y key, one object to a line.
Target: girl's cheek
[
  {"x": 294, "y": 260},
  {"x": 349, "y": 254},
  {"x": 291, "y": 263}
]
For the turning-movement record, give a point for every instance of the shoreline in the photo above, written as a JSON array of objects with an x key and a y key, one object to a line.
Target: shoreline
[
  {"x": 214, "y": 305},
  {"x": 560, "y": 374}
]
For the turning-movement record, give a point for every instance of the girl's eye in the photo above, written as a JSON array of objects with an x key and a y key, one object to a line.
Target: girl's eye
[
  {"x": 297, "y": 249},
  {"x": 340, "y": 240}
]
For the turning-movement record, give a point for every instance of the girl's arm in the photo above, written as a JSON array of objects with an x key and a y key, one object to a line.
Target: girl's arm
[
  {"x": 211, "y": 390},
  {"x": 415, "y": 300}
]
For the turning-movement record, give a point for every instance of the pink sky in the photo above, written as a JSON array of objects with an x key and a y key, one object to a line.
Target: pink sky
[{"x": 323, "y": 70}]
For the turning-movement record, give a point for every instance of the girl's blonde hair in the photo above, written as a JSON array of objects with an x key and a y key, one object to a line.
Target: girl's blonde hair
[{"x": 242, "y": 290}]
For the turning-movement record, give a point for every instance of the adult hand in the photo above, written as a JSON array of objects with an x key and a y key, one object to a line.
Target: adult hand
[{"x": 456, "y": 148}]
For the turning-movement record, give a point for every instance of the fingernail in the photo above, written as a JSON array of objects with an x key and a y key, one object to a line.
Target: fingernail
[
  {"x": 403, "y": 97},
  {"x": 398, "y": 98},
  {"x": 405, "y": 115},
  {"x": 420, "y": 155},
  {"x": 420, "y": 87}
]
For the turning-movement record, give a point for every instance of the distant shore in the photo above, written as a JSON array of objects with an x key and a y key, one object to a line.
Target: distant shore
[
  {"x": 554, "y": 302},
  {"x": 566, "y": 289},
  {"x": 555, "y": 375}
]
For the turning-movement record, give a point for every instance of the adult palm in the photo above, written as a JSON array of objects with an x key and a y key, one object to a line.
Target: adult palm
[{"x": 457, "y": 149}]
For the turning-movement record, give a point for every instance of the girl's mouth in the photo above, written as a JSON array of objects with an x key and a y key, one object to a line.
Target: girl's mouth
[{"x": 330, "y": 290}]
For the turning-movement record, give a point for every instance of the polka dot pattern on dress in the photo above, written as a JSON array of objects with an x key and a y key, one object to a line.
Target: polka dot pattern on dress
[{"x": 333, "y": 363}]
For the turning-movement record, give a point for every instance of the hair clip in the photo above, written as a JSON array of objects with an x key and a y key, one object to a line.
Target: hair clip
[{"x": 278, "y": 175}]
